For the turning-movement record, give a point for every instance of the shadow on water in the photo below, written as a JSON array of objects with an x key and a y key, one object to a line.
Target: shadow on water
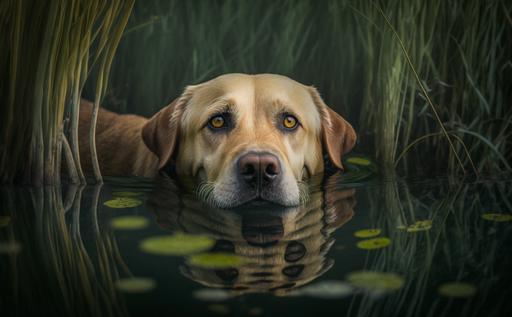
[{"x": 437, "y": 248}]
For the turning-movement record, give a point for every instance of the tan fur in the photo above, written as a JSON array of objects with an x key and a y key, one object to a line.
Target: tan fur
[
  {"x": 121, "y": 151},
  {"x": 177, "y": 133}
]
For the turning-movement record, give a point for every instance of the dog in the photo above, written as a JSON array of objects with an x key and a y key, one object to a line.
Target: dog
[{"x": 241, "y": 137}]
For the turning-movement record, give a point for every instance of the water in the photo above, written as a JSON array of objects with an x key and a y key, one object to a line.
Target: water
[{"x": 61, "y": 255}]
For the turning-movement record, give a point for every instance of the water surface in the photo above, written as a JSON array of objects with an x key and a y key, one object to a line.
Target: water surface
[{"x": 435, "y": 249}]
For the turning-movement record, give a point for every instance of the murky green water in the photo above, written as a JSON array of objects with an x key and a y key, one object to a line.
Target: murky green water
[{"x": 435, "y": 249}]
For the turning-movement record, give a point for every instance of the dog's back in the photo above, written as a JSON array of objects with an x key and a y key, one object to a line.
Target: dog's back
[{"x": 119, "y": 144}]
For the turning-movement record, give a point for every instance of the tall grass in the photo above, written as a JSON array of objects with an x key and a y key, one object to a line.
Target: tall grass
[
  {"x": 458, "y": 49},
  {"x": 385, "y": 65},
  {"x": 48, "y": 50}
]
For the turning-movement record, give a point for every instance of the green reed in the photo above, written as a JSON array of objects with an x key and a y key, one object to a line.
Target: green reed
[
  {"x": 48, "y": 50},
  {"x": 387, "y": 78},
  {"x": 385, "y": 65}
]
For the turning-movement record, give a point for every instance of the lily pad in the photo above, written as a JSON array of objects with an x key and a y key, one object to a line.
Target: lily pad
[
  {"x": 217, "y": 260},
  {"x": 367, "y": 233},
  {"x": 129, "y": 222},
  {"x": 4, "y": 221},
  {"x": 358, "y": 169},
  {"x": 497, "y": 217},
  {"x": 457, "y": 289},
  {"x": 135, "y": 284},
  {"x": 10, "y": 247},
  {"x": 421, "y": 225},
  {"x": 212, "y": 294},
  {"x": 127, "y": 194},
  {"x": 326, "y": 289},
  {"x": 123, "y": 202},
  {"x": 177, "y": 244},
  {"x": 375, "y": 243},
  {"x": 376, "y": 281},
  {"x": 357, "y": 160}
]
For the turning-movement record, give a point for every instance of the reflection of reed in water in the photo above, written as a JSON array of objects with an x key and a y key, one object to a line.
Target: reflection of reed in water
[
  {"x": 284, "y": 247},
  {"x": 460, "y": 246},
  {"x": 54, "y": 273}
]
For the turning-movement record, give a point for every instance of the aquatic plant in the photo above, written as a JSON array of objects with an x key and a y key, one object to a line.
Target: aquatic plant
[
  {"x": 358, "y": 54},
  {"x": 425, "y": 83},
  {"x": 454, "y": 254},
  {"x": 48, "y": 52}
]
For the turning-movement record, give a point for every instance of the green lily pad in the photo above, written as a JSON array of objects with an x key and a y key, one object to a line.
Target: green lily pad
[
  {"x": 212, "y": 294},
  {"x": 217, "y": 260},
  {"x": 127, "y": 194},
  {"x": 376, "y": 281},
  {"x": 357, "y": 160},
  {"x": 497, "y": 217},
  {"x": 375, "y": 243},
  {"x": 10, "y": 247},
  {"x": 421, "y": 225},
  {"x": 135, "y": 284},
  {"x": 367, "y": 233},
  {"x": 4, "y": 221},
  {"x": 326, "y": 289},
  {"x": 457, "y": 289},
  {"x": 129, "y": 222},
  {"x": 123, "y": 202},
  {"x": 177, "y": 244}
]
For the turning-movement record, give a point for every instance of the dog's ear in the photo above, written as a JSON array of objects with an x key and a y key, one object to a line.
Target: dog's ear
[
  {"x": 338, "y": 136},
  {"x": 161, "y": 132}
]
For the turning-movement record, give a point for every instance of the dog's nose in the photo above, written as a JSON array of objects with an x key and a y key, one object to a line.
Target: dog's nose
[{"x": 259, "y": 167}]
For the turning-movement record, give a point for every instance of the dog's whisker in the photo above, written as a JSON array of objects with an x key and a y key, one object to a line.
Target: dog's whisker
[
  {"x": 303, "y": 192},
  {"x": 204, "y": 192}
]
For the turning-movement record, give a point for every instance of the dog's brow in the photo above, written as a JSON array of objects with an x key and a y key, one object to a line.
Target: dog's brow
[
  {"x": 283, "y": 107},
  {"x": 220, "y": 106}
]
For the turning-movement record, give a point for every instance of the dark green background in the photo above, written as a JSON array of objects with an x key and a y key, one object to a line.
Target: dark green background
[{"x": 460, "y": 49}]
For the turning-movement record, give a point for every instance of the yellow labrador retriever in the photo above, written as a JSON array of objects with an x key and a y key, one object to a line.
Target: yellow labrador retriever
[{"x": 242, "y": 137}]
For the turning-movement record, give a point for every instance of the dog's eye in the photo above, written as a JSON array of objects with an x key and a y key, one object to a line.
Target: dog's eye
[
  {"x": 290, "y": 122},
  {"x": 217, "y": 122}
]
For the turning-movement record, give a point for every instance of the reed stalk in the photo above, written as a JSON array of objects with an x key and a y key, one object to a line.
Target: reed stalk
[
  {"x": 49, "y": 49},
  {"x": 459, "y": 49}
]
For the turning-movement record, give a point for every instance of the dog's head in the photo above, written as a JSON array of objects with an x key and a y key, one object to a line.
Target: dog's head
[{"x": 247, "y": 137}]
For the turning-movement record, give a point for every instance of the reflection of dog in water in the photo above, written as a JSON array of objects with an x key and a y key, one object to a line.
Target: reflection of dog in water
[{"x": 286, "y": 247}]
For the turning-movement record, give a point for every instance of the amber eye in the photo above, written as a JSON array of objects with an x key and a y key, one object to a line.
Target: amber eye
[
  {"x": 217, "y": 122},
  {"x": 290, "y": 122}
]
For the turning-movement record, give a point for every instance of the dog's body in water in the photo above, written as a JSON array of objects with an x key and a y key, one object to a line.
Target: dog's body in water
[{"x": 241, "y": 137}]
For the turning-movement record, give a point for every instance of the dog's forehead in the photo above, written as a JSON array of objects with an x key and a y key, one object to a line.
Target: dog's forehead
[
  {"x": 247, "y": 90},
  {"x": 252, "y": 95}
]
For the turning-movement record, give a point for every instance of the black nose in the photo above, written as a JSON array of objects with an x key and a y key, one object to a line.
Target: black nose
[{"x": 257, "y": 168}]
